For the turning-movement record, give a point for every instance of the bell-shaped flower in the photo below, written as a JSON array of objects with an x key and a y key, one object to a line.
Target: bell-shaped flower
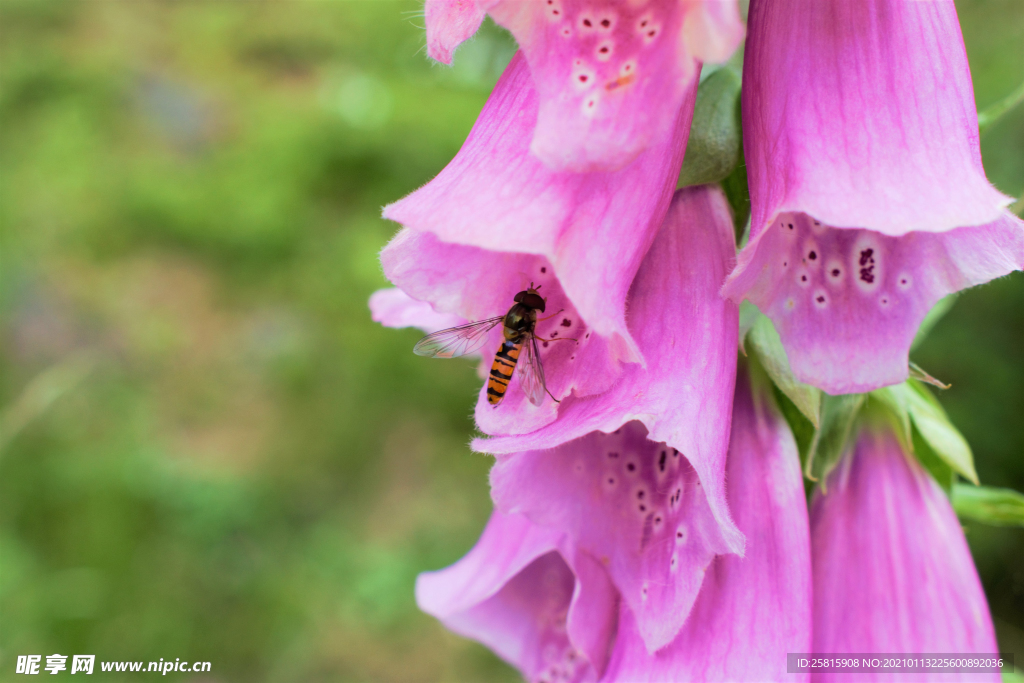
[
  {"x": 869, "y": 201},
  {"x": 521, "y": 591},
  {"x": 682, "y": 399},
  {"x": 496, "y": 219},
  {"x": 611, "y": 76},
  {"x": 611, "y": 553},
  {"x": 751, "y": 610},
  {"x": 686, "y": 332},
  {"x": 665, "y": 427},
  {"x": 892, "y": 570}
]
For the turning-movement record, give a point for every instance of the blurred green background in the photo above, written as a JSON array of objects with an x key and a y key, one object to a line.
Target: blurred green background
[{"x": 208, "y": 450}]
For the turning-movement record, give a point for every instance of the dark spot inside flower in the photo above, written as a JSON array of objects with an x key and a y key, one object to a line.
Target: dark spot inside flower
[
  {"x": 661, "y": 461},
  {"x": 543, "y": 269},
  {"x": 803, "y": 278},
  {"x": 613, "y": 454},
  {"x": 566, "y": 322},
  {"x": 617, "y": 430},
  {"x": 867, "y": 263},
  {"x": 835, "y": 272},
  {"x": 605, "y": 23},
  {"x": 587, "y": 23},
  {"x": 657, "y": 519},
  {"x": 679, "y": 534},
  {"x": 631, "y": 467},
  {"x": 583, "y": 78},
  {"x": 820, "y": 299},
  {"x": 813, "y": 255},
  {"x": 903, "y": 281},
  {"x": 611, "y": 481},
  {"x": 555, "y": 12},
  {"x": 651, "y": 33},
  {"x": 643, "y": 23},
  {"x": 572, "y": 357},
  {"x": 640, "y": 495},
  {"x": 885, "y": 301},
  {"x": 675, "y": 453},
  {"x": 587, "y": 336},
  {"x": 604, "y": 50},
  {"x": 785, "y": 264},
  {"x": 643, "y": 508},
  {"x": 790, "y": 226},
  {"x": 546, "y": 345},
  {"x": 555, "y": 333}
]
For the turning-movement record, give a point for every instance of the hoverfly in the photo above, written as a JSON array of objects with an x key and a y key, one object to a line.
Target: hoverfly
[{"x": 520, "y": 323}]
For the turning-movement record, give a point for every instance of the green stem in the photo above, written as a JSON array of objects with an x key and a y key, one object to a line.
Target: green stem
[{"x": 996, "y": 111}]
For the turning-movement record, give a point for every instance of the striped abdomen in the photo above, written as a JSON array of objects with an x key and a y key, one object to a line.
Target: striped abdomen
[{"x": 501, "y": 370}]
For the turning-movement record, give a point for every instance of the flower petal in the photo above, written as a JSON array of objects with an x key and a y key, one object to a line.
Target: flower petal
[
  {"x": 394, "y": 308},
  {"x": 635, "y": 504},
  {"x": 712, "y": 29},
  {"x": 847, "y": 303},
  {"x": 611, "y": 76},
  {"x": 449, "y": 23},
  {"x": 892, "y": 570},
  {"x": 483, "y": 286},
  {"x": 593, "y": 229},
  {"x": 862, "y": 115},
  {"x": 515, "y": 593},
  {"x": 688, "y": 334},
  {"x": 751, "y": 610}
]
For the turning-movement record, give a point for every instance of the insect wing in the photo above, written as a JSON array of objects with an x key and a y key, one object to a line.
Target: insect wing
[
  {"x": 456, "y": 341},
  {"x": 531, "y": 373}
]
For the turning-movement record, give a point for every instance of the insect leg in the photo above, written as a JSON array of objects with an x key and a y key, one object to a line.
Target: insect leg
[{"x": 561, "y": 310}]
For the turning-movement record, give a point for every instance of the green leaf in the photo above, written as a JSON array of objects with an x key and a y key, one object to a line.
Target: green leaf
[
  {"x": 936, "y": 466},
  {"x": 748, "y": 316},
  {"x": 995, "y": 506},
  {"x": 765, "y": 342},
  {"x": 803, "y": 430},
  {"x": 933, "y": 424},
  {"x": 894, "y": 403},
  {"x": 838, "y": 415},
  {"x": 713, "y": 148}
]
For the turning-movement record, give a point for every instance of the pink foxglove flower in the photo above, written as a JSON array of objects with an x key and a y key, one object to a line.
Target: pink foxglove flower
[
  {"x": 892, "y": 570},
  {"x": 496, "y": 219},
  {"x": 611, "y": 76},
  {"x": 869, "y": 201},
  {"x": 750, "y": 610},
  {"x": 683, "y": 398},
  {"x": 523, "y": 592},
  {"x": 582, "y": 583}
]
